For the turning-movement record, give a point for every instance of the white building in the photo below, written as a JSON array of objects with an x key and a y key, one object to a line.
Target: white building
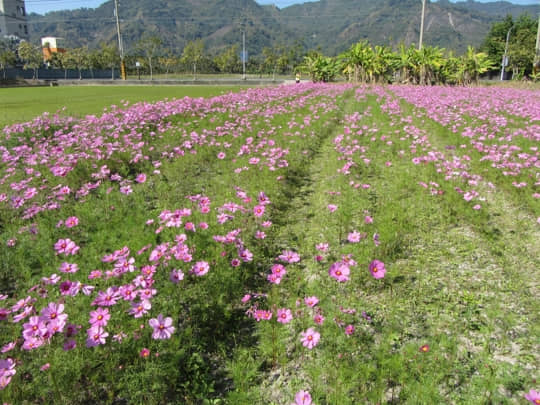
[{"x": 13, "y": 19}]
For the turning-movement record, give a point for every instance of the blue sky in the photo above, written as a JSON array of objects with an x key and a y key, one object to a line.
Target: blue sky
[{"x": 43, "y": 6}]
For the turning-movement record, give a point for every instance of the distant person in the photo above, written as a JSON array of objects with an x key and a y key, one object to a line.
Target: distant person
[{"x": 298, "y": 78}]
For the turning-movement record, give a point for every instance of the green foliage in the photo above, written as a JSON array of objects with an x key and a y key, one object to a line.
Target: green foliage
[
  {"x": 31, "y": 56},
  {"x": 521, "y": 46},
  {"x": 320, "y": 68}
]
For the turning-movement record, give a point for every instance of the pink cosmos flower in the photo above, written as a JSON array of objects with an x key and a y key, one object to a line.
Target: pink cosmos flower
[
  {"x": 339, "y": 271},
  {"x": 69, "y": 345},
  {"x": 288, "y": 256},
  {"x": 377, "y": 269},
  {"x": 349, "y": 330},
  {"x": 200, "y": 268},
  {"x": 176, "y": 276},
  {"x": 99, "y": 317},
  {"x": 310, "y": 338},
  {"x": 258, "y": 211},
  {"x": 35, "y": 327},
  {"x": 262, "y": 315},
  {"x": 533, "y": 396},
  {"x": 368, "y": 219},
  {"x": 284, "y": 315},
  {"x": 96, "y": 336},
  {"x": 138, "y": 309},
  {"x": 66, "y": 246},
  {"x": 322, "y": 247},
  {"x": 163, "y": 328},
  {"x": 302, "y": 398},
  {"x": 141, "y": 178},
  {"x": 7, "y": 370},
  {"x": 8, "y": 347},
  {"x": 274, "y": 278},
  {"x": 144, "y": 353},
  {"x": 332, "y": 207},
  {"x": 354, "y": 237},
  {"x": 69, "y": 267},
  {"x": 318, "y": 319},
  {"x": 246, "y": 298},
  {"x": 71, "y": 222},
  {"x": 311, "y": 301}
]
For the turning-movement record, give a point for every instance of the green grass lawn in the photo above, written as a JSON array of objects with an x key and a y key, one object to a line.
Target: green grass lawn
[{"x": 23, "y": 104}]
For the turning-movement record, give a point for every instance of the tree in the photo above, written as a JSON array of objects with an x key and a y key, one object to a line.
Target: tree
[
  {"x": 80, "y": 59},
  {"x": 31, "y": 56},
  {"x": 109, "y": 57},
  {"x": 319, "y": 67},
  {"x": 228, "y": 60},
  {"x": 472, "y": 66},
  {"x": 168, "y": 62},
  {"x": 8, "y": 57},
  {"x": 193, "y": 54},
  {"x": 360, "y": 58},
  {"x": 521, "y": 45},
  {"x": 149, "y": 47},
  {"x": 270, "y": 61}
]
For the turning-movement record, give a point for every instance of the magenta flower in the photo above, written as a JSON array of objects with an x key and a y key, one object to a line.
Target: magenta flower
[
  {"x": 311, "y": 301},
  {"x": 200, "y": 268},
  {"x": 99, "y": 317},
  {"x": 66, "y": 246},
  {"x": 71, "y": 222},
  {"x": 310, "y": 338},
  {"x": 302, "y": 398},
  {"x": 284, "y": 315},
  {"x": 354, "y": 237},
  {"x": 144, "y": 353},
  {"x": 332, "y": 207},
  {"x": 533, "y": 396},
  {"x": 349, "y": 329},
  {"x": 176, "y": 276},
  {"x": 69, "y": 345},
  {"x": 7, "y": 370},
  {"x": 288, "y": 256},
  {"x": 138, "y": 309},
  {"x": 339, "y": 271},
  {"x": 34, "y": 328},
  {"x": 141, "y": 178},
  {"x": 163, "y": 328},
  {"x": 258, "y": 211},
  {"x": 96, "y": 336},
  {"x": 377, "y": 269},
  {"x": 318, "y": 319}
]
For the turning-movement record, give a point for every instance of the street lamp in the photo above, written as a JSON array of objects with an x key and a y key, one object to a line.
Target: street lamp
[{"x": 505, "y": 56}]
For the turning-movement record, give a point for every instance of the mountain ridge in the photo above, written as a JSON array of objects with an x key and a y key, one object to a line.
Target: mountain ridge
[{"x": 329, "y": 25}]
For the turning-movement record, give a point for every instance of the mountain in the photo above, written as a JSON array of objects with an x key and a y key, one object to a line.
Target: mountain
[{"x": 329, "y": 25}]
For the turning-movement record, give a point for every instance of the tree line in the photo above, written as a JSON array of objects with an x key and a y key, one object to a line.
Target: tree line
[{"x": 362, "y": 62}]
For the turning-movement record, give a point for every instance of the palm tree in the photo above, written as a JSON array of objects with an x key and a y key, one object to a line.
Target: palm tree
[
  {"x": 360, "y": 58},
  {"x": 473, "y": 65}
]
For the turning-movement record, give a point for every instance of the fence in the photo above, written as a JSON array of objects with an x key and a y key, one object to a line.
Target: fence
[{"x": 51, "y": 74}]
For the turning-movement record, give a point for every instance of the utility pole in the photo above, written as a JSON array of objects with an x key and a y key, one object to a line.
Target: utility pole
[
  {"x": 536, "y": 66},
  {"x": 422, "y": 24},
  {"x": 505, "y": 56},
  {"x": 243, "y": 54},
  {"x": 120, "y": 44}
]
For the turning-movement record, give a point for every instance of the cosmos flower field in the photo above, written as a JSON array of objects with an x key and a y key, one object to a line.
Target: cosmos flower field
[{"x": 301, "y": 244}]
